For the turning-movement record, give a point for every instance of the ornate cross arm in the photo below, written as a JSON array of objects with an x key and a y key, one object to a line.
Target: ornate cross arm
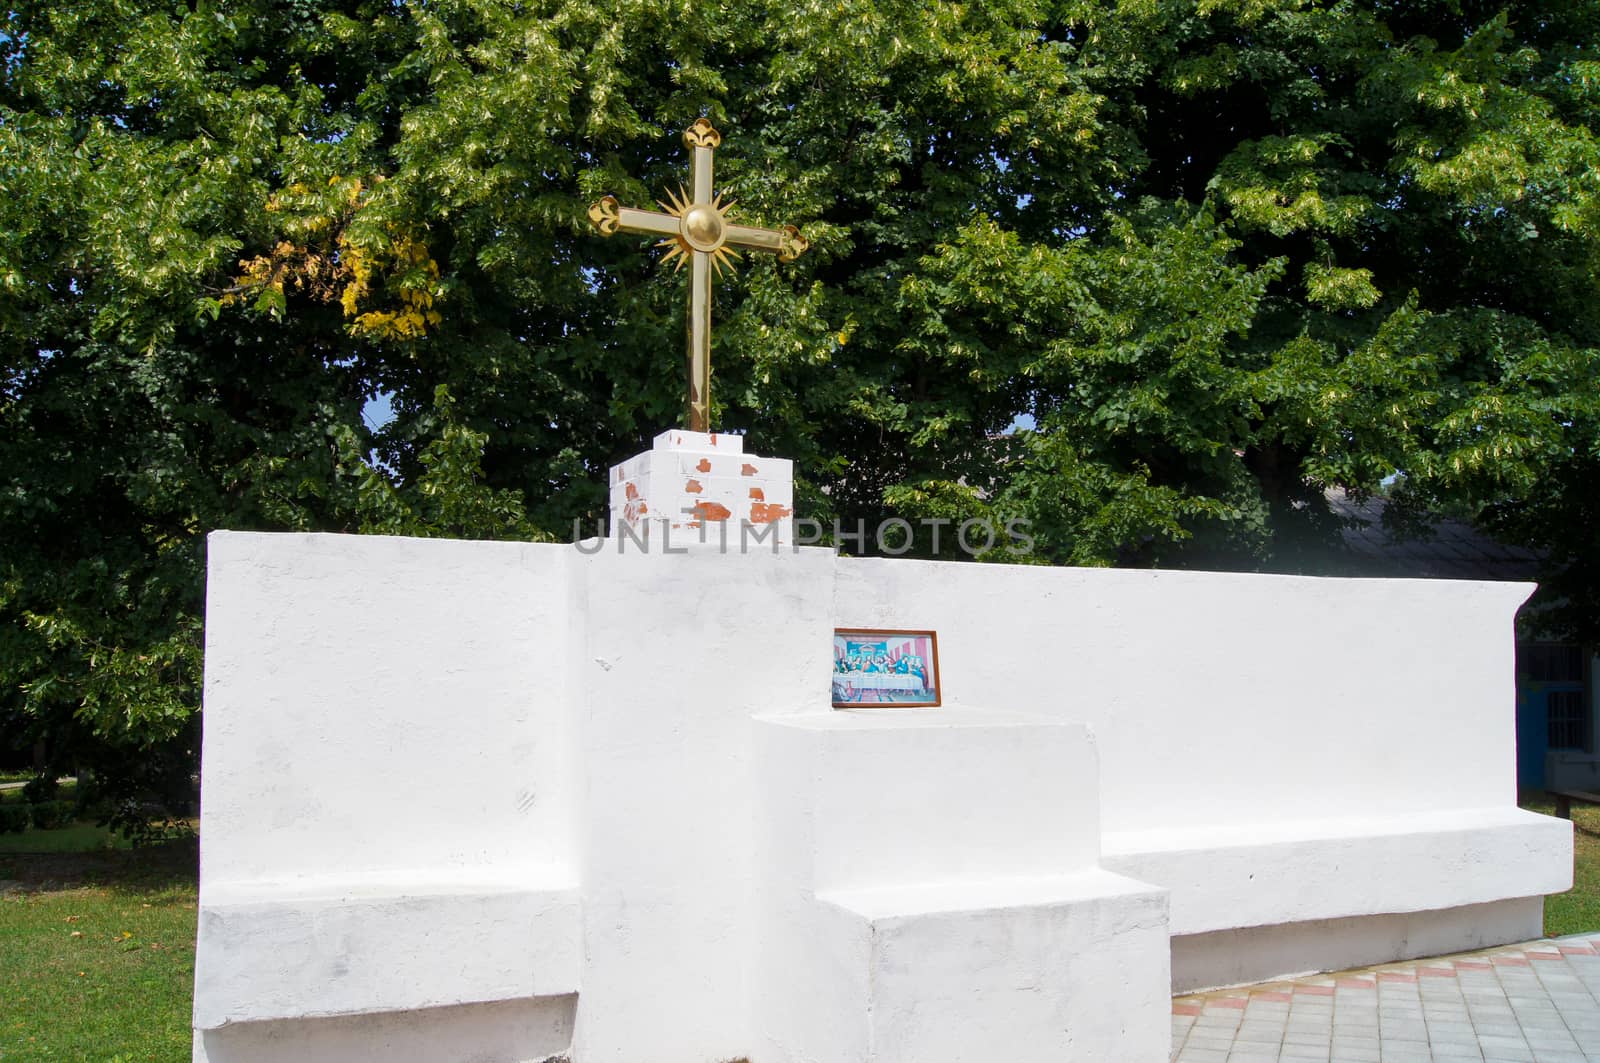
[{"x": 695, "y": 228}]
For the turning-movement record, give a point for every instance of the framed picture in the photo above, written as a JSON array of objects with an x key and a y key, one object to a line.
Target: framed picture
[{"x": 887, "y": 668}]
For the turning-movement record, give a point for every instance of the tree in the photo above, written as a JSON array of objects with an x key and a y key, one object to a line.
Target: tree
[
  {"x": 1230, "y": 254},
  {"x": 1363, "y": 246}
]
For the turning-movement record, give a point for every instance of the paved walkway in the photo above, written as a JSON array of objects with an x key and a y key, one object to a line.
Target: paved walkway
[
  {"x": 20, "y": 785},
  {"x": 1533, "y": 1003}
]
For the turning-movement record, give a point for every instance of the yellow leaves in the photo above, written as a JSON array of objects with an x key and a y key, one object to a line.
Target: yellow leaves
[
  {"x": 359, "y": 268},
  {"x": 405, "y": 324},
  {"x": 287, "y": 267},
  {"x": 329, "y": 258},
  {"x": 415, "y": 314}
]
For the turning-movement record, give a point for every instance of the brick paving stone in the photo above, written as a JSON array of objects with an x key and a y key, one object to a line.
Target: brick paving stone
[
  {"x": 1452, "y": 1033},
  {"x": 1201, "y": 1055},
  {"x": 1537, "y": 1002}
]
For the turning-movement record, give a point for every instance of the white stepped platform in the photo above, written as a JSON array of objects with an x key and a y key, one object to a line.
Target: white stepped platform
[{"x": 936, "y": 896}]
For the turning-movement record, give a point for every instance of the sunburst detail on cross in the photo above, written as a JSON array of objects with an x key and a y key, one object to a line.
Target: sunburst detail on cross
[{"x": 695, "y": 229}]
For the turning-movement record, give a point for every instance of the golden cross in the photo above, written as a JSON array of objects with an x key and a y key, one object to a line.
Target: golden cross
[{"x": 696, "y": 229}]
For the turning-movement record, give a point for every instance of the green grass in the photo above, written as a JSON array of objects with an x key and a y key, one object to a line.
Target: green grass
[
  {"x": 78, "y": 838},
  {"x": 96, "y": 953},
  {"x": 1578, "y": 910},
  {"x": 97, "y": 945}
]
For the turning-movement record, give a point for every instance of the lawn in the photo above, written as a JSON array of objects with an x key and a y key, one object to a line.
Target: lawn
[
  {"x": 97, "y": 943},
  {"x": 1577, "y": 910},
  {"x": 80, "y": 837},
  {"x": 96, "y": 950},
  {"x": 77, "y": 838}
]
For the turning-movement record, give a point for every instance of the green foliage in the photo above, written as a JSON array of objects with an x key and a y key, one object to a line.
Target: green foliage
[
  {"x": 49, "y": 815},
  {"x": 40, "y": 788},
  {"x": 14, "y": 817},
  {"x": 1230, "y": 254}
]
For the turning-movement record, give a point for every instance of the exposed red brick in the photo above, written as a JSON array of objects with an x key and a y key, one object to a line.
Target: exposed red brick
[
  {"x": 631, "y": 492},
  {"x": 693, "y": 487},
  {"x": 758, "y": 494},
  {"x": 767, "y": 512},
  {"x": 705, "y": 465},
  {"x": 711, "y": 511},
  {"x": 747, "y": 469}
]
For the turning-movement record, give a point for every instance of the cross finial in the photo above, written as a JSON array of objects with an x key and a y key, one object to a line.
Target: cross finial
[{"x": 696, "y": 229}]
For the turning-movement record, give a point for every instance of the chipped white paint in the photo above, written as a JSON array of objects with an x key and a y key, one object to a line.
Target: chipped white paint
[{"x": 497, "y": 801}]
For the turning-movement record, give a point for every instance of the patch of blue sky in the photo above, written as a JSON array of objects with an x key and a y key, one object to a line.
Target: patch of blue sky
[{"x": 379, "y": 410}]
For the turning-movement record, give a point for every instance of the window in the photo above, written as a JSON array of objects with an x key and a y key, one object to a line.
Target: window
[
  {"x": 1550, "y": 662},
  {"x": 1565, "y": 717}
]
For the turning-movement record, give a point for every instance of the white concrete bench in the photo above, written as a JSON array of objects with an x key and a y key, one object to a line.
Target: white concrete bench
[{"x": 1436, "y": 881}]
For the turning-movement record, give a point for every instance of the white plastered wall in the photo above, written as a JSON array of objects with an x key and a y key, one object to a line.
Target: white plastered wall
[
  {"x": 446, "y": 776},
  {"x": 1334, "y": 696},
  {"x": 681, "y": 650},
  {"x": 1274, "y": 749},
  {"x": 387, "y": 807}
]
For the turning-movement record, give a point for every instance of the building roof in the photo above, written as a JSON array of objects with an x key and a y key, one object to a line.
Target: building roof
[{"x": 1454, "y": 550}]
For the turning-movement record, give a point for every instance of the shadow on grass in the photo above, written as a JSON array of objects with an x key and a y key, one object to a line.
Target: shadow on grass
[
  {"x": 149, "y": 869},
  {"x": 1584, "y": 819},
  {"x": 1577, "y": 911}
]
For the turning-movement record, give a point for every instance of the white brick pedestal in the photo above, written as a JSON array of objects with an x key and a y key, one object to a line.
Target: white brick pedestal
[{"x": 689, "y": 482}]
